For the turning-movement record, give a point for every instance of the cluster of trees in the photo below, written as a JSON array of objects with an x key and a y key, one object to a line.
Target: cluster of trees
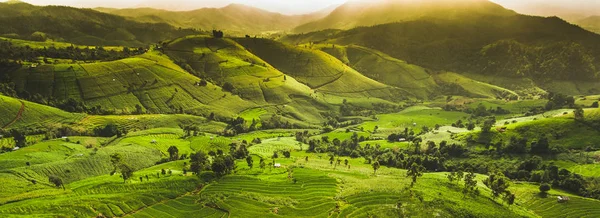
[
  {"x": 482, "y": 111},
  {"x": 239, "y": 125},
  {"x": 110, "y": 130},
  {"x": 217, "y": 33},
  {"x": 18, "y": 54},
  {"x": 557, "y": 101}
]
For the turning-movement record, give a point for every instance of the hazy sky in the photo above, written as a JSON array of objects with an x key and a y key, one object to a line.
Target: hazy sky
[{"x": 540, "y": 7}]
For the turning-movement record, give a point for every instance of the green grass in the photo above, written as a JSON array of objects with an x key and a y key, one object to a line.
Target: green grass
[
  {"x": 34, "y": 115},
  {"x": 376, "y": 65},
  {"x": 561, "y": 130},
  {"x": 320, "y": 71},
  {"x": 422, "y": 116},
  {"x": 150, "y": 80}
]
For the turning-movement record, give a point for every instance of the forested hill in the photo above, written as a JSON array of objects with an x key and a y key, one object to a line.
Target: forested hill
[
  {"x": 81, "y": 26},
  {"x": 369, "y": 13},
  {"x": 535, "y": 47}
]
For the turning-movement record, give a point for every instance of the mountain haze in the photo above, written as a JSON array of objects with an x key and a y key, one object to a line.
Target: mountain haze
[
  {"x": 368, "y": 13},
  {"x": 234, "y": 18}
]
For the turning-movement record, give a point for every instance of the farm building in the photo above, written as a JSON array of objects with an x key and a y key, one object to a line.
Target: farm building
[{"x": 277, "y": 165}]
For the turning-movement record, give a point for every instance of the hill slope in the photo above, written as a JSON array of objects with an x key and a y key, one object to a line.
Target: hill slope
[
  {"x": 543, "y": 49},
  {"x": 368, "y": 13},
  {"x": 319, "y": 70},
  {"x": 151, "y": 81},
  {"x": 233, "y": 19},
  {"x": 224, "y": 61},
  {"x": 80, "y": 26},
  {"x": 18, "y": 113}
]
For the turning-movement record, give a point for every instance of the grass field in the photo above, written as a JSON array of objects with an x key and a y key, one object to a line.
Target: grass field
[{"x": 33, "y": 115}]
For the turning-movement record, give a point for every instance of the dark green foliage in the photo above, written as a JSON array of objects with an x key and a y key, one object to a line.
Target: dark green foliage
[
  {"x": 498, "y": 183},
  {"x": 488, "y": 124},
  {"x": 470, "y": 184},
  {"x": 217, "y": 33},
  {"x": 19, "y": 137},
  {"x": 126, "y": 171},
  {"x": 414, "y": 172},
  {"x": 250, "y": 161},
  {"x": 173, "y": 153},
  {"x": 56, "y": 181},
  {"x": 544, "y": 187},
  {"x": 109, "y": 130},
  {"x": 594, "y": 105},
  {"x": 376, "y": 167},
  {"x": 578, "y": 113},
  {"x": 198, "y": 162},
  {"x": 227, "y": 86}
]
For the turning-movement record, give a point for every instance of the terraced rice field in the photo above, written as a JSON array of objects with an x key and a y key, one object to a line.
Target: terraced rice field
[{"x": 311, "y": 196}]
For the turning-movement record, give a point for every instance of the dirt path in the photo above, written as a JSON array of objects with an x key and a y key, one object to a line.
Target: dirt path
[{"x": 19, "y": 115}]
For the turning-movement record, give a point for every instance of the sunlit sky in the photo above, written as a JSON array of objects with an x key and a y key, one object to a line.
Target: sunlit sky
[{"x": 540, "y": 7}]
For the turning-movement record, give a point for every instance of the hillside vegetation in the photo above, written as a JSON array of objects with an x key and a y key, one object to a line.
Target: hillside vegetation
[
  {"x": 543, "y": 49},
  {"x": 150, "y": 81}
]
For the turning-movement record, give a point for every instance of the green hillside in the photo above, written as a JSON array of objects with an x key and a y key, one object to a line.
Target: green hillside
[
  {"x": 18, "y": 113},
  {"x": 151, "y": 81},
  {"x": 224, "y": 61},
  {"x": 320, "y": 71},
  {"x": 516, "y": 46},
  {"x": 80, "y": 26}
]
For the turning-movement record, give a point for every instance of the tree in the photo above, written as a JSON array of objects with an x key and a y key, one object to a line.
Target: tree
[
  {"x": 126, "y": 172},
  {"x": 173, "y": 153},
  {"x": 138, "y": 109},
  {"x": 544, "y": 188},
  {"x": 275, "y": 155},
  {"x": 415, "y": 171},
  {"x": 19, "y": 137},
  {"x": 498, "y": 183},
  {"x": 376, "y": 167},
  {"x": 488, "y": 124},
  {"x": 219, "y": 167},
  {"x": 509, "y": 198},
  {"x": 56, "y": 181},
  {"x": 115, "y": 160},
  {"x": 286, "y": 154},
  {"x": 345, "y": 162},
  {"x": 262, "y": 164},
  {"x": 595, "y": 104},
  {"x": 579, "y": 116},
  {"x": 250, "y": 161},
  {"x": 470, "y": 183},
  {"x": 198, "y": 162}
]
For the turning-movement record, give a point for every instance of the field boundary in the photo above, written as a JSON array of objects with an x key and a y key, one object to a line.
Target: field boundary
[{"x": 19, "y": 115}]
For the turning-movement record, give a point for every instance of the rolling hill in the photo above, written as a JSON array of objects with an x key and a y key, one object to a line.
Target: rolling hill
[
  {"x": 320, "y": 71},
  {"x": 543, "y": 49},
  {"x": 591, "y": 23},
  {"x": 224, "y": 61},
  {"x": 79, "y": 26},
  {"x": 368, "y": 13},
  {"x": 234, "y": 19},
  {"x": 18, "y": 114},
  {"x": 151, "y": 81}
]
